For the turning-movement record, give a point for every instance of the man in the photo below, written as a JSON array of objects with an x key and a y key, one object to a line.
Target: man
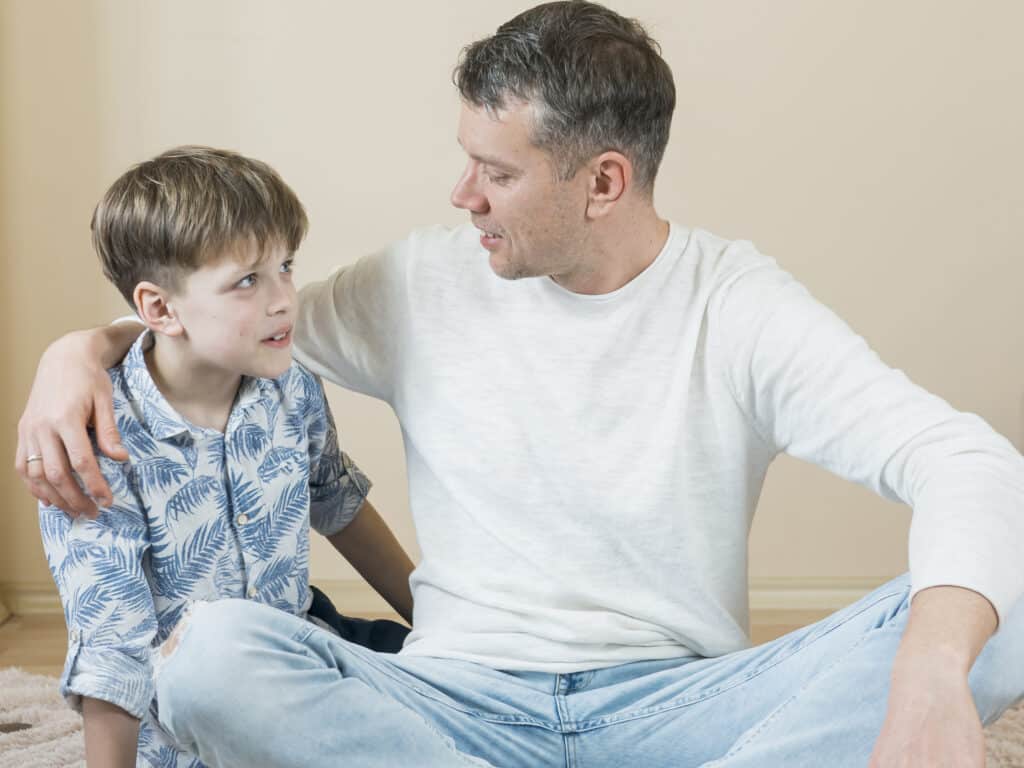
[{"x": 589, "y": 412}]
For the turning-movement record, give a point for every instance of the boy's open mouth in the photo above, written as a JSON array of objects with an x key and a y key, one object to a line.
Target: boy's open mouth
[{"x": 280, "y": 339}]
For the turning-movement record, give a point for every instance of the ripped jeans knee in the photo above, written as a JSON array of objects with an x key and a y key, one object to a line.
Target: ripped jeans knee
[{"x": 167, "y": 648}]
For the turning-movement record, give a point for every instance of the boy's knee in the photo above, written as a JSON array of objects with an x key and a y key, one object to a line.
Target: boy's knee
[{"x": 197, "y": 659}]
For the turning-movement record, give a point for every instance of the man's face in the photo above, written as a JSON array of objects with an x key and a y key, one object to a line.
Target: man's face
[
  {"x": 238, "y": 312},
  {"x": 531, "y": 223}
]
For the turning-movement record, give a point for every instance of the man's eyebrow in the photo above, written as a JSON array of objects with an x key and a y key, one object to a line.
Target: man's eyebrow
[{"x": 489, "y": 160}]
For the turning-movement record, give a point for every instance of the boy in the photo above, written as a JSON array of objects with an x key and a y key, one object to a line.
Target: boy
[{"x": 233, "y": 452}]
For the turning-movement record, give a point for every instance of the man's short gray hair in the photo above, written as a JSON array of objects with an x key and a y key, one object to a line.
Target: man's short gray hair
[{"x": 595, "y": 79}]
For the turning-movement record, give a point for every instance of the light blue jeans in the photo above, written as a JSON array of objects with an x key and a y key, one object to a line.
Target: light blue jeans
[{"x": 249, "y": 685}]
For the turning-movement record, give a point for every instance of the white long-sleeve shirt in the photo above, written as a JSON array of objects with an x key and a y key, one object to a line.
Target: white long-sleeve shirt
[{"x": 583, "y": 469}]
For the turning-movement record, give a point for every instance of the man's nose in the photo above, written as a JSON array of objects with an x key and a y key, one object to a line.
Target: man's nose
[{"x": 466, "y": 194}]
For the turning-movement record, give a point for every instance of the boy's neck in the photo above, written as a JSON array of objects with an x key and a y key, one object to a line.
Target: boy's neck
[{"x": 201, "y": 394}]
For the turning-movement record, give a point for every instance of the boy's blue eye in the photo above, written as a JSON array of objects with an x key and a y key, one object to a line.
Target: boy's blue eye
[
  {"x": 246, "y": 282},
  {"x": 287, "y": 266}
]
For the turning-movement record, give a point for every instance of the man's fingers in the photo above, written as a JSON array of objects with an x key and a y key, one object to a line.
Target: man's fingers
[
  {"x": 23, "y": 451},
  {"x": 83, "y": 462},
  {"x": 58, "y": 474},
  {"x": 107, "y": 434},
  {"x": 45, "y": 492},
  {"x": 31, "y": 473}
]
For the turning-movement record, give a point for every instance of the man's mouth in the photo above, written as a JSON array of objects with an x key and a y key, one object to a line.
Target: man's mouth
[{"x": 490, "y": 240}]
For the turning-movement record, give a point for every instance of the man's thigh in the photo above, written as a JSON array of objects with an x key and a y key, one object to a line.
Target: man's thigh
[
  {"x": 817, "y": 696},
  {"x": 693, "y": 712}
]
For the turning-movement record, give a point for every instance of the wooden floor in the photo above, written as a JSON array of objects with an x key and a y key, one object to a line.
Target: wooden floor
[{"x": 38, "y": 643}]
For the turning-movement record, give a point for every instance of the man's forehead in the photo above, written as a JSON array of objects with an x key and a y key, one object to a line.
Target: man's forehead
[{"x": 496, "y": 137}]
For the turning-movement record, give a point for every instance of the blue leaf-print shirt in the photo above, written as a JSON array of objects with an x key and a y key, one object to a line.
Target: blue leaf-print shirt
[{"x": 197, "y": 515}]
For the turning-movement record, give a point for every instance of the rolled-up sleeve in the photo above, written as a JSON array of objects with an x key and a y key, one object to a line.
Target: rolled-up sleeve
[
  {"x": 108, "y": 606},
  {"x": 337, "y": 487}
]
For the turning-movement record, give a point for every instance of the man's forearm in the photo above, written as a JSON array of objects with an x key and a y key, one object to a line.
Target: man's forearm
[
  {"x": 111, "y": 735},
  {"x": 368, "y": 544},
  {"x": 930, "y": 710},
  {"x": 112, "y": 342},
  {"x": 948, "y": 623}
]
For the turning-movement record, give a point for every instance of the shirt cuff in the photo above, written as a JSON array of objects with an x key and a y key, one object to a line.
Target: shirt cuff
[
  {"x": 336, "y": 504},
  {"x": 107, "y": 674}
]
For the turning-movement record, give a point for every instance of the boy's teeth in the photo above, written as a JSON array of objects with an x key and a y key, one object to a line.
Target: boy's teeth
[{"x": 279, "y": 336}]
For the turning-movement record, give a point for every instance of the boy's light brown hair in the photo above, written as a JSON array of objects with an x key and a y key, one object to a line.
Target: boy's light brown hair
[{"x": 169, "y": 216}]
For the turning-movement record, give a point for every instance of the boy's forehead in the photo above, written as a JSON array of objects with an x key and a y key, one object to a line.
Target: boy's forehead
[{"x": 245, "y": 253}]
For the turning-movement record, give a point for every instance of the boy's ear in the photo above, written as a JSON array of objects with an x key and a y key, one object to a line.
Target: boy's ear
[{"x": 154, "y": 307}]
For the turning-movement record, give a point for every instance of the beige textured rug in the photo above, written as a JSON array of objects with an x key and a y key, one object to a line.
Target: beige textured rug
[{"x": 55, "y": 738}]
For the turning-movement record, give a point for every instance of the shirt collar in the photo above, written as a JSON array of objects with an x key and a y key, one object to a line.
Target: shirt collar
[{"x": 159, "y": 417}]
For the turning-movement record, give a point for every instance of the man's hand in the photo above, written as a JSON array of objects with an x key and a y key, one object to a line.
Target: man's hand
[
  {"x": 931, "y": 719},
  {"x": 71, "y": 391}
]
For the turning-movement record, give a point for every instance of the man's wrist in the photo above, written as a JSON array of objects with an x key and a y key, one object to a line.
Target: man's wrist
[{"x": 109, "y": 343}]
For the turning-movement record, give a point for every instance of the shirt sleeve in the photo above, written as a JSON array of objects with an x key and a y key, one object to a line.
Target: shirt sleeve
[
  {"x": 337, "y": 487},
  {"x": 108, "y": 606},
  {"x": 348, "y": 326},
  {"x": 815, "y": 389}
]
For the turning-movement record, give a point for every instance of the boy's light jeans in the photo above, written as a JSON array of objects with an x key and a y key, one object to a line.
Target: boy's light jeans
[{"x": 249, "y": 685}]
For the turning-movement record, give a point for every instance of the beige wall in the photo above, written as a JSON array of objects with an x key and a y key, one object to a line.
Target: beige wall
[{"x": 873, "y": 148}]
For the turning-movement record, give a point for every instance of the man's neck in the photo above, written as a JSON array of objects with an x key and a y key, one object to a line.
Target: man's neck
[
  {"x": 201, "y": 394},
  {"x": 619, "y": 251}
]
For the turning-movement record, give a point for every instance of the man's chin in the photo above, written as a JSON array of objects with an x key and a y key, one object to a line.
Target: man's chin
[{"x": 507, "y": 270}]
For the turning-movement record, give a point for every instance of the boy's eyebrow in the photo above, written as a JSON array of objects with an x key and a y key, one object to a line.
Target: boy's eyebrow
[
  {"x": 263, "y": 256},
  {"x": 250, "y": 264}
]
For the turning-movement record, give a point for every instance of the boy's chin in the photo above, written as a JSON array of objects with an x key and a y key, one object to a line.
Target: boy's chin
[{"x": 270, "y": 370}]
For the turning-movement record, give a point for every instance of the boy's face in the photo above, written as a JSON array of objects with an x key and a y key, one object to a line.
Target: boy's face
[{"x": 237, "y": 312}]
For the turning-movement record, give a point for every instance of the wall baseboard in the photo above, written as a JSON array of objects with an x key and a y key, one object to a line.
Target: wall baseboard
[
  {"x": 796, "y": 594},
  {"x": 31, "y": 598},
  {"x": 357, "y": 599}
]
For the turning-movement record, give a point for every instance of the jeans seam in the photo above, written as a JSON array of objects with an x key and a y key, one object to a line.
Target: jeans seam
[
  {"x": 747, "y": 739},
  {"x": 594, "y": 724},
  {"x": 303, "y": 634},
  {"x": 492, "y": 717}
]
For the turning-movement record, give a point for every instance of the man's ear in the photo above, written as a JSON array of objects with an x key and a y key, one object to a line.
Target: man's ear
[
  {"x": 611, "y": 173},
  {"x": 154, "y": 308}
]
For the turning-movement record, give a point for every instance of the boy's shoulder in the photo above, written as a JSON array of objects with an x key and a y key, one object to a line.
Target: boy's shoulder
[{"x": 300, "y": 387}]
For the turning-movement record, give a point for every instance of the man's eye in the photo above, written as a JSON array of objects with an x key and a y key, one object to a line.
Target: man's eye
[{"x": 246, "y": 282}]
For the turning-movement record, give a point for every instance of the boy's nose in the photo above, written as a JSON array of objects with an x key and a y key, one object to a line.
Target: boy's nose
[{"x": 282, "y": 301}]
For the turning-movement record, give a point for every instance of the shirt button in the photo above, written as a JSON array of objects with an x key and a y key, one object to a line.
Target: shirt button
[
  {"x": 242, "y": 519},
  {"x": 252, "y": 592}
]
